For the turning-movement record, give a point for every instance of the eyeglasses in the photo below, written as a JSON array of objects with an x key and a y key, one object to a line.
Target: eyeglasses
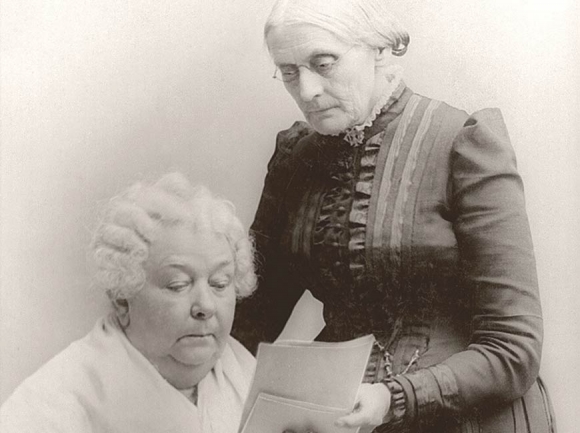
[{"x": 322, "y": 64}]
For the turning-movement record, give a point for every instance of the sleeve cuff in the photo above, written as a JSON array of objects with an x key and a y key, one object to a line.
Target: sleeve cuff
[
  {"x": 396, "y": 417},
  {"x": 432, "y": 390},
  {"x": 420, "y": 395}
]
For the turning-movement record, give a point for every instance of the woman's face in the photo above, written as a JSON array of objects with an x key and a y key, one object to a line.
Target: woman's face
[
  {"x": 342, "y": 98},
  {"x": 182, "y": 317}
]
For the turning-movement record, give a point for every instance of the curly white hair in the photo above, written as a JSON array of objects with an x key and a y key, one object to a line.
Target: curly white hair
[{"x": 131, "y": 222}]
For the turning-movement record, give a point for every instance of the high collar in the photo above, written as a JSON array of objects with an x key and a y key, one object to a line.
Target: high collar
[
  {"x": 390, "y": 110},
  {"x": 322, "y": 151},
  {"x": 355, "y": 135}
]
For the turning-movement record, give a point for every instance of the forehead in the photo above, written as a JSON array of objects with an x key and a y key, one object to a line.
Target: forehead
[
  {"x": 299, "y": 42},
  {"x": 181, "y": 243}
]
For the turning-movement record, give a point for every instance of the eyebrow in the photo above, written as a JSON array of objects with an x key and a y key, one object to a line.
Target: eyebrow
[
  {"x": 313, "y": 56},
  {"x": 223, "y": 264},
  {"x": 176, "y": 263}
]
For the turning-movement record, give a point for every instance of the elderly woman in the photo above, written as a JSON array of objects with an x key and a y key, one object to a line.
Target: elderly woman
[
  {"x": 173, "y": 259},
  {"x": 406, "y": 217}
]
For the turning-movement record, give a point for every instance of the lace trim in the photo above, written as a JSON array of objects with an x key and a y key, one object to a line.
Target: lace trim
[{"x": 355, "y": 135}]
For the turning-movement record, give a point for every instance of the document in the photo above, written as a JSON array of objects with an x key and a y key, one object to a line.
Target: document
[
  {"x": 306, "y": 320},
  {"x": 275, "y": 414},
  {"x": 304, "y": 382}
]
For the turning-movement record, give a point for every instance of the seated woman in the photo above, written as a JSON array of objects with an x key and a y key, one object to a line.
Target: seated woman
[{"x": 173, "y": 259}]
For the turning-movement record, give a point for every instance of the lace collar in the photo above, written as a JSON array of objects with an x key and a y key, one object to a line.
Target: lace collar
[{"x": 355, "y": 135}]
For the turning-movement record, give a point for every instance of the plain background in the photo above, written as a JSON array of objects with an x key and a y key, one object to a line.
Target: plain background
[{"x": 98, "y": 94}]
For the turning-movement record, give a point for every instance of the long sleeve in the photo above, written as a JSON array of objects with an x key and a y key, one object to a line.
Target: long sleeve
[
  {"x": 262, "y": 316},
  {"x": 494, "y": 242}
]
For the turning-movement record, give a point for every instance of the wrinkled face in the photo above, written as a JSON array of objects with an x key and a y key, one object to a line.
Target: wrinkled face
[
  {"x": 181, "y": 319},
  {"x": 340, "y": 86}
]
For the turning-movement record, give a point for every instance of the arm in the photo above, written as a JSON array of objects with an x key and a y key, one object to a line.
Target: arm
[
  {"x": 495, "y": 247},
  {"x": 262, "y": 316},
  {"x": 502, "y": 359}
]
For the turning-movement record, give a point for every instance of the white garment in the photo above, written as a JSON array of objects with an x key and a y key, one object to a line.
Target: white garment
[{"x": 101, "y": 383}]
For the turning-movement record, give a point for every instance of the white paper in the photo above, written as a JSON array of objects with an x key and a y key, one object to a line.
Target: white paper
[
  {"x": 273, "y": 414},
  {"x": 325, "y": 374},
  {"x": 306, "y": 320}
]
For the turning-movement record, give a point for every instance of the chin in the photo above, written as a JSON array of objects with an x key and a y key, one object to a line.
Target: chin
[
  {"x": 197, "y": 357},
  {"x": 330, "y": 125}
]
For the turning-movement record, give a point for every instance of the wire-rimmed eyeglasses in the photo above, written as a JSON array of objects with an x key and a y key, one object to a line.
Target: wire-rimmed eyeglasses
[{"x": 322, "y": 64}]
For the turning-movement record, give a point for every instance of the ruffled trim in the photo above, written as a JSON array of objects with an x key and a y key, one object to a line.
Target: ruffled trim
[
  {"x": 355, "y": 135},
  {"x": 360, "y": 206}
]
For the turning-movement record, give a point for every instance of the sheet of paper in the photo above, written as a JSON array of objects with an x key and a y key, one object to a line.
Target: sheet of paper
[
  {"x": 276, "y": 414},
  {"x": 326, "y": 374},
  {"x": 306, "y": 320}
]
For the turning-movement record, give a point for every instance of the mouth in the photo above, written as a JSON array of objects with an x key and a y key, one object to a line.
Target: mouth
[
  {"x": 321, "y": 110},
  {"x": 197, "y": 336}
]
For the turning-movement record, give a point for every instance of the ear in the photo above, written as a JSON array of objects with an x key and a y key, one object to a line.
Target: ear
[
  {"x": 121, "y": 306},
  {"x": 382, "y": 56}
]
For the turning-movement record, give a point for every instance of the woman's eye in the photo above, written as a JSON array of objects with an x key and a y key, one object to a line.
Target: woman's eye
[
  {"x": 324, "y": 65},
  {"x": 288, "y": 72},
  {"x": 178, "y": 286},
  {"x": 220, "y": 284}
]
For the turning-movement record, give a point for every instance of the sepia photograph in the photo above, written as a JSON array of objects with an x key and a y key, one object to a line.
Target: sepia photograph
[{"x": 289, "y": 216}]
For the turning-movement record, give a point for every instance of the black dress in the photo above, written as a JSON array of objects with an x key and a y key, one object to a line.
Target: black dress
[{"x": 420, "y": 237}]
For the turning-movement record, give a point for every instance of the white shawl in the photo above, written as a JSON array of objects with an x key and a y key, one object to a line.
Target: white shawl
[{"x": 101, "y": 383}]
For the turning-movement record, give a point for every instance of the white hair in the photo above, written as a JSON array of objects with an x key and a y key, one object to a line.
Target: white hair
[
  {"x": 131, "y": 222},
  {"x": 366, "y": 22}
]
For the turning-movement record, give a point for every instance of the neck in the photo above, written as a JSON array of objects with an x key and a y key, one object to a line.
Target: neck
[{"x": 385, "y": 89}]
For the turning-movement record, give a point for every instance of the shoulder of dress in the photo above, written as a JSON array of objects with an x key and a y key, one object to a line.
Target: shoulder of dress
[
  {"x": 484, "y": 127},
  {"x": 450, "y": 115},
  {"x": 489, "y": 120},
  {"x": 486, "y": 118},
  {"x": 431, "y": 115},
  {"x": 484, "y": 142},
  {"x": 287, "y": 139}
]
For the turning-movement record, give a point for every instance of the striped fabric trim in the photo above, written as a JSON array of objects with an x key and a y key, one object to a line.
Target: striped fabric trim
[
  {"x": 406, "y": 181},
  {"x": 385, "y": 186},
  {"x": 302, "y": 231}
]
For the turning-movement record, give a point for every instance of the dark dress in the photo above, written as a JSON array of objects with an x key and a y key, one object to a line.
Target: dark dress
[{"x": 420, "y": 237}]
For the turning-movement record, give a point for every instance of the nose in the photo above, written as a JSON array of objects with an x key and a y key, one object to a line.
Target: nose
[
  {"x": 309, "y": 85},
  {"x": 203, "y": 304}
]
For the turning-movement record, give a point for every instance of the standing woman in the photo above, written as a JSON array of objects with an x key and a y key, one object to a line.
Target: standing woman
[{"x": 406, "y": 217}]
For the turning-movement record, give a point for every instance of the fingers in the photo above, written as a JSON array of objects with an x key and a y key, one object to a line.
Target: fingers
[
  {"x": 359, "y": 419},
  {"x": 372, "y": 404},
  {"x": 353, "y": 420}
]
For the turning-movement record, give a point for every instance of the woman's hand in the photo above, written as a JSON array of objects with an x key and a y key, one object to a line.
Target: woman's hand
[{"x": 372, "y": 404}]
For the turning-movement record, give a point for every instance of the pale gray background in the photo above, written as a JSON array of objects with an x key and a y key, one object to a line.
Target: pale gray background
[{"x": 97, "y": 94}]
